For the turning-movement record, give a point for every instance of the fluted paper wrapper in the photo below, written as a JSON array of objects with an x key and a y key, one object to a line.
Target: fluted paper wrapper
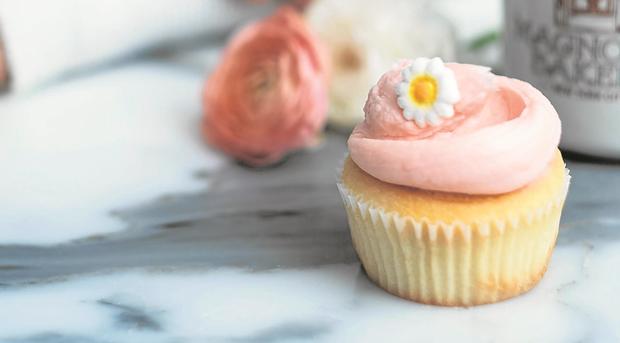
[{"x": 453, "y": 264}]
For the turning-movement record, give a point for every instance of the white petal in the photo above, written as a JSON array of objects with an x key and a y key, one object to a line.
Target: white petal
[
  {"x": 435, "y": 66},
  {"x": 403, "y": 102},
  {"x": 407, "y": 73},
  {"x": 409, "y": 113},
  {"x": 448, "y": 87},
  {"x": 449, "y": 73},
  {"x": 420, "y": 123},
  {"x": 433, "y": 118},
  {"x": 444, "y": 78},
  {"x": 449, "y": 92},
  {"x": 419, "y": 65},
  {"x": 419, "y": 118},
  {"x": 402, "y": 88},
  {"x": 443, "y": 109},
  {"x": 419, "y": 113}
]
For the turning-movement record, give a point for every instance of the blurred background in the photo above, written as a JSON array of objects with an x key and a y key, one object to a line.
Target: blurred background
[
  {"x": 43, "y": 42},
  {"x": 101, "y": 102}
]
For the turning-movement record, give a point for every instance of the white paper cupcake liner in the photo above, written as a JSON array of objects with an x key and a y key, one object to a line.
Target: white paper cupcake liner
[{"x": 453, "y": 264}]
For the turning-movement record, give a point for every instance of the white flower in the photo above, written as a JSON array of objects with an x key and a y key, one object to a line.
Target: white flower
[
  {"x": 428, "y": 92},
  {"x": 365, "y": 38}
]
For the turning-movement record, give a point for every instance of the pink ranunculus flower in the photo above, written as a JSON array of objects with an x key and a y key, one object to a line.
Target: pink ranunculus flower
[{"x": 268, "y": 96}]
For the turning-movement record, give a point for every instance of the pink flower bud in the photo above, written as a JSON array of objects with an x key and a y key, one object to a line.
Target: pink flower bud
[{"x": 268, "y": 95}]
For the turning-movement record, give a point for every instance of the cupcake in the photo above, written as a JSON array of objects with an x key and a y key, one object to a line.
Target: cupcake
[{"x": 454, "y": 184}]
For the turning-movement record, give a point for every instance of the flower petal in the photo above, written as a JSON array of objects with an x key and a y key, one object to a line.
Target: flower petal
[
  {"x": 419, "y": 118},
  {"x": 443, "y": 109},
  {"x": 407, "y": 73},
  {"x": 449, "y": 91},
  {"x": 420, "y": 123},
  {"x": 409, "y": 113},
  {"x": 419, "y": 65},
  {"x": 403, "y": 102},
  {"x": 402, "y": 88},
  {"x": 433, "y": 118},
  {"x": 435, "y": 66}
]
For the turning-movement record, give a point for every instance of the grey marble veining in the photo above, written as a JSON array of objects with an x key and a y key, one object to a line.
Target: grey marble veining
[{"x": 285, "y": 216}]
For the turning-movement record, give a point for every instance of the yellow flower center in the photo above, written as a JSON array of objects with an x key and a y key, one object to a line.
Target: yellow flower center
[{"x": 423, "y": 90}]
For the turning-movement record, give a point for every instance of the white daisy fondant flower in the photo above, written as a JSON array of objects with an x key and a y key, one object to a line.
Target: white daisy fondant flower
[{"x": 428, "y": 92}]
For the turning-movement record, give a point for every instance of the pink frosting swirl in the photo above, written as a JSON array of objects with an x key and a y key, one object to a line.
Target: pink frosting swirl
[{"x": 503, "y": 136}]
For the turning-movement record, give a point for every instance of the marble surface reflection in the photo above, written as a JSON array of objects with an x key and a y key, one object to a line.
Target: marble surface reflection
[{"x": 230, "y": 254}]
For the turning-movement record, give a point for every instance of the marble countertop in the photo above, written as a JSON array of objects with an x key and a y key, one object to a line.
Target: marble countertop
[{"x": 118, "y": 224}]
